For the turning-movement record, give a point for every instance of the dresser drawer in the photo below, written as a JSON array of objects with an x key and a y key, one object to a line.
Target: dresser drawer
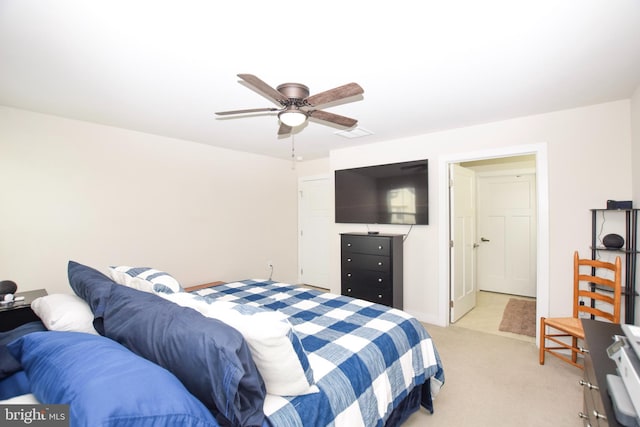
[
  {"x": 366, "y": 244},
  {"x": 597, "y": 365},
  {"x": 366, "y": 278},
  {"x": 596, "y": 394},
  {"x": 365, "y": 262},
  {"x": 588, "y": 421},
  {"x": 592, "y": 400},
  {"x": 378, "y": 294}
]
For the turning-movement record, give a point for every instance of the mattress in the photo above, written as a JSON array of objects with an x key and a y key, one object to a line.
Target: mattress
[{"x": 366, "y": 358}]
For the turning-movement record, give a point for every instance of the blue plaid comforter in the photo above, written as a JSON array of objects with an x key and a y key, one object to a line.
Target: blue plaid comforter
[{"x": 366, "y": 358}]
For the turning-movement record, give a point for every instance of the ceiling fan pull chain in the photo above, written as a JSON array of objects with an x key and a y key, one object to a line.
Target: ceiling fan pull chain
[{"x": 293, "y": 153}]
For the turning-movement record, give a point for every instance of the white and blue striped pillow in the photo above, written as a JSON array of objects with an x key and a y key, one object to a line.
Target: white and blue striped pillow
[{"x": 145, "y": 279}]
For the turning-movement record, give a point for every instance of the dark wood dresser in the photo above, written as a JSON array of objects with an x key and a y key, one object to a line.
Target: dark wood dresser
[
  {"x": 598, "y": 409},
  {"x": 372, "y": 267}
]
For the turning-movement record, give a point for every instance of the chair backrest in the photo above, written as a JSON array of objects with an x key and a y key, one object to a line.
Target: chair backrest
[{"x": 598, "y": 287}]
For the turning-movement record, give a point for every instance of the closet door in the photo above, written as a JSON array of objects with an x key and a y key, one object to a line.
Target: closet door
[{"x": 507, "y": 231}]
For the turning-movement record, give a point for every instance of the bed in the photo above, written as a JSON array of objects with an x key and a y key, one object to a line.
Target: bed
[{"x": 304, "y": 357}]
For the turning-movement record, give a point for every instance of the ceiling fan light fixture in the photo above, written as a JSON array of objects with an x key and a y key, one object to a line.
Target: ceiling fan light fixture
[{"x": 292, "y": 117}]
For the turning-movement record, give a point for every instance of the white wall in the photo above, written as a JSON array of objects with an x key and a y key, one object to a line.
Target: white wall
[
  {"x": 313, "y": 167},
  {"x": 588, "y": 162},
  {"x": 102, "y": 196}
]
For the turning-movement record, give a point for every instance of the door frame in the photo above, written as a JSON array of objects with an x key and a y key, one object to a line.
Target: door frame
[{"x": 542, "y": 228}]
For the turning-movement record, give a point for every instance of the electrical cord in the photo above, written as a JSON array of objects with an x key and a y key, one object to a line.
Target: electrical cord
[
  {"x": 406, "y": 236},
  {"x": 601, "y": 228}
]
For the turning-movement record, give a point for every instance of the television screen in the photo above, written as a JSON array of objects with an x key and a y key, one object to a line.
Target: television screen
[{"x": 396, "y": 193}]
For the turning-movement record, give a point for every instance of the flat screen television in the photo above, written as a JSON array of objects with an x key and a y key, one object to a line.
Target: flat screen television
[{"x": 395, "y": 193}]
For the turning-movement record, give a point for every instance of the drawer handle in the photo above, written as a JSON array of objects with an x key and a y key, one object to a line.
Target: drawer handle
[
  {"x": 379, "y": 296},
  {"x": 349, "y": 245},
  {"x": 348, "y": 274},
  {"x": 380, "y": 247},
  {"x": 379, "y": 280},
  {"x": 379, "y": 262},
  {"x": 588, "y": 385},
  {"x": 349, "y": 290},
  {"x": 584, "y": 350},
  {"x": 599, "y": 415},
  {"x": 583, "y": 415},
  {"x": 348, "y": 259}
]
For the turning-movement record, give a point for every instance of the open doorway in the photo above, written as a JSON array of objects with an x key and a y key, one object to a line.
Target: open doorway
[
  {"x": 500, "y": 257},
  {"x": 538, "y": 151}
]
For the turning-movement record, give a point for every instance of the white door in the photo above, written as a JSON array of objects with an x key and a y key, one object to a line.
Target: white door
[
  {"x": 507, "y": 232},
  {"x": 462, "y": 223},
  {"x": 313, "y": 233}
]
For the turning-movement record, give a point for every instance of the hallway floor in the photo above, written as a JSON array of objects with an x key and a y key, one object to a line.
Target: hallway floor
[{"x": 487, "y": 315}]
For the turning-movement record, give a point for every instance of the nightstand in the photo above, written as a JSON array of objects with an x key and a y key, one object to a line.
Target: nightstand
[{"x": 20, "y": 312}]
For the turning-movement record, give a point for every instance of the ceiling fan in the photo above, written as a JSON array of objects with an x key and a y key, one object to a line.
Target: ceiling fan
[{"x": 296, "y": 106}]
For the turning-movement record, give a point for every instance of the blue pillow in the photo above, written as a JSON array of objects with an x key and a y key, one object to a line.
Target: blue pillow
[
  {"x": 8, "y": 364},
  {"x": 104, "y": 383},
  {"x": 210, "y": 358},
  {"x": 14, "y": 385},
  {"x": 93, "y": 287}
]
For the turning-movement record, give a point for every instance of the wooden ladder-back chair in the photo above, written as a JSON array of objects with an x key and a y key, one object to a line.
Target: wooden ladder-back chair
[{"x": 595, "y": 293}]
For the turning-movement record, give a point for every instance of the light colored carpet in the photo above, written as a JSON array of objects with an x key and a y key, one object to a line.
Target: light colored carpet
[
  {"x": 519, "y": 317},
  {"x": 492, "y": 380}
]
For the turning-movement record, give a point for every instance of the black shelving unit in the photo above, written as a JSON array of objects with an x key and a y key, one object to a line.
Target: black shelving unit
[{"x": 630, "y": 252}]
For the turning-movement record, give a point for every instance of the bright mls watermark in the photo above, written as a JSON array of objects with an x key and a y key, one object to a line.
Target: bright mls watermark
[{"x": 34, "y": 415}]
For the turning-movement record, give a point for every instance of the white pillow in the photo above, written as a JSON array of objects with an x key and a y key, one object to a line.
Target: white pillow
[
  {"x": 64, "y": 312},
  {"x": 23, "y": 399},
  {"x": 275, "y": 347},
  {"x": 145, "y": 279}
]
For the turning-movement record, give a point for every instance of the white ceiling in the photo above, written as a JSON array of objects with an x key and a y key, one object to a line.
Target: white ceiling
[{"x": 165, "y": 67}]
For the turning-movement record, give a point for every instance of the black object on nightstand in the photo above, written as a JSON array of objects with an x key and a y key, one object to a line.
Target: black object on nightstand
[{"x": 19, "y": 312}]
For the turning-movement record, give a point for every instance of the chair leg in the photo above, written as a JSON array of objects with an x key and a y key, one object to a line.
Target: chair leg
[{"x": 542, "y": 339}]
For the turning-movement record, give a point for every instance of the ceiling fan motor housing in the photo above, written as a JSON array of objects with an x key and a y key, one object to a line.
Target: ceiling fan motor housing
[
  {"x": 292, "y": 116},
  {"x": 294, "y": 91}
]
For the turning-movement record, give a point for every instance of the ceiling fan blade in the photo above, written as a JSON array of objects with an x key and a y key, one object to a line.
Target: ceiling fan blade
[
  {"x": 335, "y": 94},
  {"x": 284, "y": 129},
  {"x": 333, "y": 118},
  {"x": 261, "y": 86},
  {"x": 251, "y": 110}
]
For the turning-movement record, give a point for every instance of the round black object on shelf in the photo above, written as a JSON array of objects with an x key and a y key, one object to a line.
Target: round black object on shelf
[
  {"x": 613, "y": 241},
  {"x": 8, "y": 287}
]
